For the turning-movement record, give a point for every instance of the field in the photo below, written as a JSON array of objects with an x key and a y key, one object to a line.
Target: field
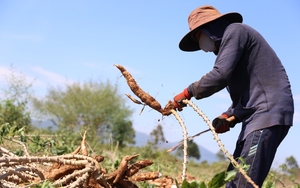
[
  {"x": 110, "y": 166},
  {"x": 47, "y": 158}
]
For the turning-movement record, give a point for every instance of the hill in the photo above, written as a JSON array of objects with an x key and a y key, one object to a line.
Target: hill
[{"x": 141, "y": 139}]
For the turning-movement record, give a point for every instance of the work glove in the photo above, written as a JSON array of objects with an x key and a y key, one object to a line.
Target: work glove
[
  {"x": 180, "y": 97},
  {"x": 221, "y": 125}
]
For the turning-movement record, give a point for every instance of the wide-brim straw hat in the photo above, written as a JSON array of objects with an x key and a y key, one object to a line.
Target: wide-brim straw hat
[{"x": 200, "y": 16}]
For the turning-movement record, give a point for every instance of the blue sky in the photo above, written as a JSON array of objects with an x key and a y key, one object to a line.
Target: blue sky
[{"x": 55, "y": 43}]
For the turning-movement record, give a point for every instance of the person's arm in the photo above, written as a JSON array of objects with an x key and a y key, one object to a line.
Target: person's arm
[{"x": 230, "y": 52}]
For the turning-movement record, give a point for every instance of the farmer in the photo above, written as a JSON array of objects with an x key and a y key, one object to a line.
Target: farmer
[{"x": 257, "y": 83}]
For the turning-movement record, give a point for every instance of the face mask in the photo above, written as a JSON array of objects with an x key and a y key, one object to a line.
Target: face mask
[{"x": 206, "y": 43}]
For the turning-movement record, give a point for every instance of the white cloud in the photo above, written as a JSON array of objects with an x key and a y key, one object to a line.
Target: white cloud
[
  {"x": 51, "y": 77},
  {"x": 7, "y": 72},
  {"x": 9, "y": 76},
  {"x": 4, "y": 72}
]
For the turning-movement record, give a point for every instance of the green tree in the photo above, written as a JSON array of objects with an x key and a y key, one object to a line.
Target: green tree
[
  {"x": 192, "y": 150},
  {"x": 221, "y": 155},
  {"x": 14, "y": 115},
  {"x": 292, "y": 162},
  {"x": 291, "y": 166},
  {"x": 16, "y": 93},
  {"x": 13, "y": 120},
  {"x": 157, "y": 135},
  {"x": 18, "y": 88},
  {"x": 93, "y": 106}
]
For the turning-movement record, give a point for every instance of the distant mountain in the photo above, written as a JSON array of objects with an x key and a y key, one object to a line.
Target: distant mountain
[{"x": 141, "y": 139}]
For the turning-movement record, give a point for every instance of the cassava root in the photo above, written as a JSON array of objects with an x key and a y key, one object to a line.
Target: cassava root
[{"x": 145, "y": 97}]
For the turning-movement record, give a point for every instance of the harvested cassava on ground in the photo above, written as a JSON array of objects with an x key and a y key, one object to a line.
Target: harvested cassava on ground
[
  {"x": 83, "y": 145},
  {"x": 76, "y": 169},
  {"x": 119, "y": 173},
  {"x": 134, "y": 168},
  {"x": 58, "y": 171},
  {"x": 146, "y": 176}
]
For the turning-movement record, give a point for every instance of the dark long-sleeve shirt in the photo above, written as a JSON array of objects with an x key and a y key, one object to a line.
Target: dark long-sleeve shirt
[{"x": 254, "y": 77}]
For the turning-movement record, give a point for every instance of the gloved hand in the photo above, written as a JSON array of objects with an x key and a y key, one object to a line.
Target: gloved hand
[
  {"x": 181, "y": 96},
  {"x": 221, "y": 125}
]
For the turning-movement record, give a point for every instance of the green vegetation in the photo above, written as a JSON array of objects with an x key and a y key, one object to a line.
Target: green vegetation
[
  {"x": 202, "y": 175},
  {"x": 92, "y": 106},
  {"x": 101, "y": 111}
]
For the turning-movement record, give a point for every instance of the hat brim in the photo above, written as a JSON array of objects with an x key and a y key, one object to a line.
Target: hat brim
[{"x": 189, "y": 44}]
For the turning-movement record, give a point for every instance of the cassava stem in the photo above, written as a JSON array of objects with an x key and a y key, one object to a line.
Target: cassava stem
[
  {"x": 230, "y": 157},
  {"x": 185, "y": 146},
  {"x": 232, "y": 118}
]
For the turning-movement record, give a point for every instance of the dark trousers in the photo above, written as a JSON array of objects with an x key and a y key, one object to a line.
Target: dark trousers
[{"x": 258, "y": 150}]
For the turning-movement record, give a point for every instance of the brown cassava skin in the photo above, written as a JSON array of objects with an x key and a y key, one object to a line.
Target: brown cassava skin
[
  {"x": 134, "y": 168},
  {"x": 84, "y": 150},
  {"x": 167, "y": 110},
  {"x": 146, "y": 176},
  {"x": 133, "y": 99},
  {"x": 61, "y": 171},
  {"x": 145, "y": 97}
]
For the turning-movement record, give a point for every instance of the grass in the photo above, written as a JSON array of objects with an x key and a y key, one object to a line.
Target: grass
[
  {"x": 203, "y": 172},
  {"x": 163, "y": 162}
]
